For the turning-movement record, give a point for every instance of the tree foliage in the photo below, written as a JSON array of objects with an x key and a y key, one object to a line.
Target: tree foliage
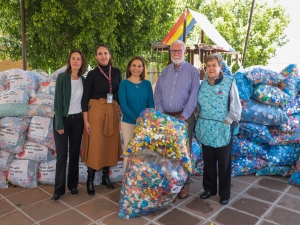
[
  {"x": 54, "y": 27},
  {"x": 230, "y": 17}
]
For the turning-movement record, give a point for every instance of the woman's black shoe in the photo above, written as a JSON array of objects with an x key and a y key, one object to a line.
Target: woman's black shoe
[
  {"x": 74, "y": 192},
  {"x": 55, "y": 198},
  {"x": 105, "y": 178},
  {"x": 90, "y": 181},
  {"x": 206, "y": 195},
  {"x": 224, "y": 201}
]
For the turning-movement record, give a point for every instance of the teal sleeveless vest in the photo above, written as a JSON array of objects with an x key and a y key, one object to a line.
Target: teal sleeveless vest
[{"x": 210, "y": 128}]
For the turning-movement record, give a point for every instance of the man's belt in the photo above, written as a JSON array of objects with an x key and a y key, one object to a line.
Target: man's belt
[{"x": 174, "y": 113}]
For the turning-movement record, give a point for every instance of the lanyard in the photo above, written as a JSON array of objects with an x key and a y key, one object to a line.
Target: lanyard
[{"x": 107, "y": 77}]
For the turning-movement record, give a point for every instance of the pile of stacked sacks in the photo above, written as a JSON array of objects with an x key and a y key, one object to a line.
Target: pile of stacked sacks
[
  {"x": 27, "y": 147},
  {"x": 268, "y": 140}
]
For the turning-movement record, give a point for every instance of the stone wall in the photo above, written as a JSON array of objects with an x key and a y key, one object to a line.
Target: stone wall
[{"x": 9, "y": 64}]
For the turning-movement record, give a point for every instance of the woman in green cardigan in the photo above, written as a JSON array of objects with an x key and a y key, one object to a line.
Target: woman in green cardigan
[{"x": 68, "y": 123}]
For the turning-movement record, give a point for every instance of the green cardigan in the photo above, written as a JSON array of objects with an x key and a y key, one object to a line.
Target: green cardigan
[{"x": 62, "y": 98}]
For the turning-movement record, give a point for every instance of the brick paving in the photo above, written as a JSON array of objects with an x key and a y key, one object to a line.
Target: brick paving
[{"x": 254, "y": 201}]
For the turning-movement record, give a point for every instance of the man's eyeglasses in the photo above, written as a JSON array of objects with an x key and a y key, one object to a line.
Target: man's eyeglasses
[{"x": 179, "y": 51}]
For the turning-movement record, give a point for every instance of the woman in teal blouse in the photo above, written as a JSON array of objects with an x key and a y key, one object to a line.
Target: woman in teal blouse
[{"x": 135, "y": 94}]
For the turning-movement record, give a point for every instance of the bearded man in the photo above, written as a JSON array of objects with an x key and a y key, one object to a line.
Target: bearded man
[{"x": 176, "y": 93}]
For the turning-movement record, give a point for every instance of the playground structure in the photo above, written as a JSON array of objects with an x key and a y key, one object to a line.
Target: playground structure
[{"x": 195, "y": 55}]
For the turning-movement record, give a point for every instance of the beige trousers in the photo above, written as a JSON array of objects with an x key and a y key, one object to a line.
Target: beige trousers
[{"x": 127, "y": 132}]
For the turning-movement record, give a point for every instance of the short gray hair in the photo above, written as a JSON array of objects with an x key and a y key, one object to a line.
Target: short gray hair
[
  {"x": 178, "y": 42},
  {"x": 213, "y": 56}
]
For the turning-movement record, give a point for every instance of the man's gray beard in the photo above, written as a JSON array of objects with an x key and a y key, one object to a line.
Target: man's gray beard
[{"x": 177, "y": 63}]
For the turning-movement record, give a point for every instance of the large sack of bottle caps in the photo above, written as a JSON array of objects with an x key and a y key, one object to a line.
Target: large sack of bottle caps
[
  {"x": 13, "y": 103},
  {"x": 41, "y": 131},
  {"x": 283, "y": 171},
  {"x": 150, "y": 184},
  {"x": 262, "y": 75},
  {"x": 3, "y": 183},
  {"x": 259, "y": 113},
  {"x": 295, "y": 178},
  {"x": 23, "y": 173},
  {"x": 163, "y": 134}
]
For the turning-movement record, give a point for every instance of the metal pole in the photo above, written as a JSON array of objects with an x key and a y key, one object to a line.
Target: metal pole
[
  {"x": 184, "y": 25},
  {"x": 248, "y": 32},
  {"x": 22, "y": 8}
]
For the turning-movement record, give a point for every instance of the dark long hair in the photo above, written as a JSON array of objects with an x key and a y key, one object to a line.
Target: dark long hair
[
  {"x": 82, "y": 69},
  {"x": 110, "y": 62},
  {"x": 128, "y": 73}
]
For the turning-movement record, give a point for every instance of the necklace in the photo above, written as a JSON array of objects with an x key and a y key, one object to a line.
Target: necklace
[{"x": 137, "y": 86}]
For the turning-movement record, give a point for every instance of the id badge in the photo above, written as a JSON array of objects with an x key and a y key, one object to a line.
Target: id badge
[{"x": 109, "y": 98}]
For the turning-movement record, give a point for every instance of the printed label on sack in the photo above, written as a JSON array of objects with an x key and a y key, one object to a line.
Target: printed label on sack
[
  {"x": 39, "y": 127},
  {"x": 82, "y": 169},
  {"x": 3, "y": 158},
  {"x": 176, "y": 189},
  {"x": 117, "y": 170},
  {"x": 33, "y": 151},
  {"x": 18, "y": 170},
  {"x": 15, "y": 96},
  {"x": 8, "y": 136},
  {"x": 43, "y": 100},
  {"x": 17, "y": 80},
  {"x": 47, "y": 172}
]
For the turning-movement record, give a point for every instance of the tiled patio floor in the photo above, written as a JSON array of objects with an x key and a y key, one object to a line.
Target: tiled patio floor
[{"x": 254, "y": 201}]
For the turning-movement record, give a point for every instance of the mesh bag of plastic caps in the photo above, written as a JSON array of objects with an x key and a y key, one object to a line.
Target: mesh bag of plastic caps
[
  {"x": 3, "y": 183},
  {"x": 295, "y": 178},
  {"x": 225, "y": 69},
  {"x": 242, "y": 147},
  {"x": 290, "y": 70},
  {"x": 46, "y": 172},
  {"x": 150, "y": 184},
  {"x": 246, "y": 166},
  {"x": 255, "y": 132},
  {"x": 3, "y": 79},
  {"x": 11, "y": 141},
  {"x": 22, "y": 80},
  {"x": 282, "y": 155},
  {"x": 47, "y": 88},
  {"x": 261, "y": 75},
  {"x": 292, "y": 125},
  {"x": 163, "y": 134},
  {"x": 41, "y": 105},
  {"x": 284, "y": 138},
  {"x": 54, "y": 75},
  {"x": 13, "y": 132},
  {"x": 198, "y": 169},
  {"x": 255, "y": 112},
  {"x": 293, "y": 106},
  {"x": 196, "y": 151},
  {"x": 5, "y": 159},
  {"x": 23, "y": 173},
  {"x": 270, "y": 95},
  {"x": 36, "y": 152},
  {"x": 116, "y": 173},
  {"x": 283, "y": 171},
  {"x": 291, "y": 84},
  {"x": 19, "y": 124},
  {"x": 41, "y": 131},
  {"x": 40, "y": 76},
  {"x": 244, "y": 86},
  {"x": 13, "y": 103}
]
